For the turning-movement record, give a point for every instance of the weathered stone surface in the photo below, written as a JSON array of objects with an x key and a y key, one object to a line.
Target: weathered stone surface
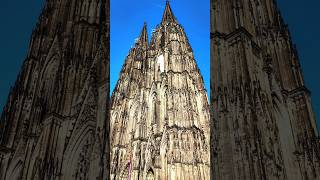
[
  {"x": 263, "y": 124},
  {"x": 54, "y": 123},
  {"x": 159, "y": 110}
]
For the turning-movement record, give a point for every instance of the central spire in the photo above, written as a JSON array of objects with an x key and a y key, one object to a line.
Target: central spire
[
  {"x": 168, "y": 14},
  {"x": 148, "y": 93}
]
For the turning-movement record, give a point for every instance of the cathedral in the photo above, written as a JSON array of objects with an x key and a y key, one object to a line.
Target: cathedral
[
  {"x": 60, "y": 123},
  {"x": 262, "y": 122},
  {"x": 159, "y": 114},
  {"x": 53, "y": 125}
]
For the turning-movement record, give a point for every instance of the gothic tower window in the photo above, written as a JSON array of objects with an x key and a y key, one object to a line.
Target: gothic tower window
[{"x": 150, "y": 175}]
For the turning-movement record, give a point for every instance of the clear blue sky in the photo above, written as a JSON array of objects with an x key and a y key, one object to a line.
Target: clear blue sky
[
  {"x": 127, "y": 17},
  {"x": 17, "y": 18}
]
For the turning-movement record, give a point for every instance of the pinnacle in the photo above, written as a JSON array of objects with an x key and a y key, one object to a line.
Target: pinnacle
[
  {"x": 143, "y": 39},
  {"x": 168, "y": 14}
]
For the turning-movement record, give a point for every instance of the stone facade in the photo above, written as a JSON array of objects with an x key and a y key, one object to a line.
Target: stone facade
[
  {"x": 263, "y": 126},
  {"x": 54, "y": 123},
  {"x": 159, "y": 110}
]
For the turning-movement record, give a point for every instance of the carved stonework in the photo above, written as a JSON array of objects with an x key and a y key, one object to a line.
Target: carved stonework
[
  {"x": 54, "y": 123},
  {"x": 263, "y": 126},
  {"x": 159, "y": 110}
]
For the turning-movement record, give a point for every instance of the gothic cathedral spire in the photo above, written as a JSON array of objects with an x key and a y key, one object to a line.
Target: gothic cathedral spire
[
  {"x": 168, "y": 14},
  {"x": 52, "y": 126},
  {"x": 263, "y": 124},
  {"x": 159, "y": 111},
  {"x": 143, "y": 39}
]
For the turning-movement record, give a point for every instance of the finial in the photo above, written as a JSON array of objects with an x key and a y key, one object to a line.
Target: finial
[{"x": 168, "y": 14}]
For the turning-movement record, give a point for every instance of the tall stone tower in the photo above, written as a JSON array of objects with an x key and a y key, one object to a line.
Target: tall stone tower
[
  {"x": 159, "y": 109},
  {"x": 263, "y": 124},
  {"x": 53, "y": 125}
]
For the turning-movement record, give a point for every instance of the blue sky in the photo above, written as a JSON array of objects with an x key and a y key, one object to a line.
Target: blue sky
[
  {"x": 303, "y": 20},
  {"x": 17, "y": 18},
  {"x": 127, "y": 17}
]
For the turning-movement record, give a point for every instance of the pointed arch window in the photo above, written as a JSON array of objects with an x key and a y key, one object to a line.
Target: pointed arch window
[
  {"x": 162, "y": 40},
  {"x": 150, "y": 175}
]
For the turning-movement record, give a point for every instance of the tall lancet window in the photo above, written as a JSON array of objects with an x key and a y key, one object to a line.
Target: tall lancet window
[
  {"x": 151, "y": 111},
  {"x": 157, "y": 112},
  {"x": 154, "y": 110},
  {"x": 163, "y": 41},
  {"x": 160, "y": 62}
]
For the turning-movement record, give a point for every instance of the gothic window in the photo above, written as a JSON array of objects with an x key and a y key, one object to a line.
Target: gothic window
[
  {"x": 162, "y": 43},
  {"x": 160, "y": 62},
  {"x": 50, "y": 72},
  {"x": 49, "y": 77},
  {"x": 150, "y": 175},
  {"x": 152, "y": 110}
]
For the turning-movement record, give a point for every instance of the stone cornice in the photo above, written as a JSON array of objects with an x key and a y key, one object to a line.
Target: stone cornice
[{"x": 299, "y": 91}]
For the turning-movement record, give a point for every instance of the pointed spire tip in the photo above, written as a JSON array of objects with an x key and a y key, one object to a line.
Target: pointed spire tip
[
  {"x": 143, "y": 39},
  {"x": 168, "y": 14}
]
